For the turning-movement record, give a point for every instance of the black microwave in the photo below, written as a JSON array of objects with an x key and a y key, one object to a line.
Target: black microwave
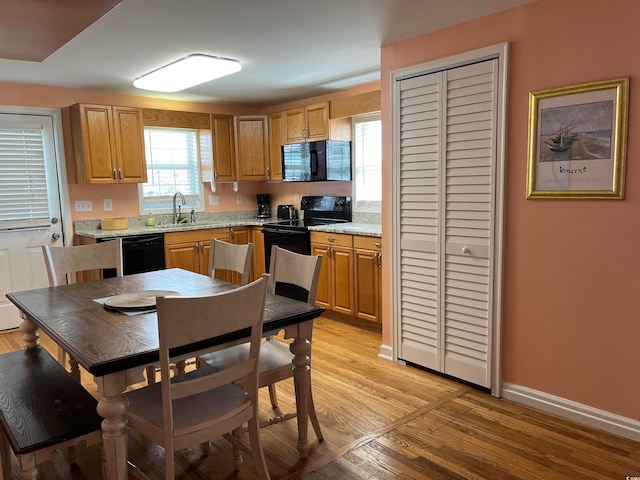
[{"x": 317, "y": 161}]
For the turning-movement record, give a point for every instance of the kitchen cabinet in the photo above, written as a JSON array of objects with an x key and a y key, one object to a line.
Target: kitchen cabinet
[
  {"x": 276, "y": 140},
  {"x": 308, "y": 123},
  {"x": 190, "y": 249},
  {"x": 108, "y": 144},
  {"x": 336, "y": 282},
  {"x": 258, "y": 267},
  {"x": 252, "y": 150},
  {"x": 367, "y": 256},
  {"x": 223, "y": 148}
]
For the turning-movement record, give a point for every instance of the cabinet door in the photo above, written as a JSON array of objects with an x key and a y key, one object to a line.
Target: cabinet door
[
  {"x": 295, "y": 124},
  {"x": 323, "y": 294},
  {"x": 252, "y": 152},
  {"x": 317, "y": 121},
  {"x": 224, "y": 166},
  {"x": 276, "y": 140},
  {"x": 342, "y": 279},
  {"x": 91, "y": 127},
  {"x": 129, "y": 145},
  {"x": 185, "y": 255},
  {"x": 258, "y": 253},
  {"x": 367, "y": 284}
]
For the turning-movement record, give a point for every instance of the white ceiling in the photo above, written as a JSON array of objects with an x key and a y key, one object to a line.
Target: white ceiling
[{"x": 289, "y": 49}]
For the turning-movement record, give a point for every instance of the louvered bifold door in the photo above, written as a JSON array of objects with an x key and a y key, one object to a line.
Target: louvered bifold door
[
  {"x": 468, "y": 205},
  {"x": 419, "y": 230},
  {"x": 446, "y": 192}
]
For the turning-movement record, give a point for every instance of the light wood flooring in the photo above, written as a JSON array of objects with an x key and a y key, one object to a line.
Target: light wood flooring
[{"x": 382, "y": 420}]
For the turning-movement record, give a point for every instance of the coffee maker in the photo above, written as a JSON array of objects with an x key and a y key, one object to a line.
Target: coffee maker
[{"x": 263, "y": 205}]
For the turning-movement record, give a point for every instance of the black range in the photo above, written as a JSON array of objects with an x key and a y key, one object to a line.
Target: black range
[{"x": 293, "y": 234}]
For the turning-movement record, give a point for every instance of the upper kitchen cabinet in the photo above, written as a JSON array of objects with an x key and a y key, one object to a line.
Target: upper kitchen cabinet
[
  {"x": 308, "y": 123},
  {"x": 223, "y": 149},
  {"x": 276, "y": 140},
  {"x": 108, "y": 144},
  {"x": 252, "y": 147}
]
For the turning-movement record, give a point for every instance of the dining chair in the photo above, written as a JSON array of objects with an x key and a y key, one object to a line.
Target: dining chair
[
  {"x": 231, "y": 256},
  {"x": 295, "y": 276},
  {"x": 190, "y": 408},
  {"x": 63, "y": 263},
  {"x": 223, "y": 256}
]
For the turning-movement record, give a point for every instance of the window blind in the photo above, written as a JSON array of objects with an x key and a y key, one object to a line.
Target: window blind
[
  {"x": 23, "y": 183},
  {"x": 172, "y": 166}
]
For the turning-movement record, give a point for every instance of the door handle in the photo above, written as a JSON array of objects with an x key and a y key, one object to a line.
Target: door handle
[{"x": 466, "y": 250}]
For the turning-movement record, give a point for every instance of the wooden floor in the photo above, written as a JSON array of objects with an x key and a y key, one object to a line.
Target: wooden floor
[{"x": 382, "y": 420}]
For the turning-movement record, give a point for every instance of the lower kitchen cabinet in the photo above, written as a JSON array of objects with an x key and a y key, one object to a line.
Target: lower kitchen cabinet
[
  {"x": 336, "y": 284},
  {"x": 258, "y": 267},
  {"x": 190, "y": 249},
  {"x": 367, "y": 253}
]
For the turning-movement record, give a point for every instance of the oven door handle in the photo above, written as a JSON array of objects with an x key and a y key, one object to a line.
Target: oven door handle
[{"x": 286, "y": 232}]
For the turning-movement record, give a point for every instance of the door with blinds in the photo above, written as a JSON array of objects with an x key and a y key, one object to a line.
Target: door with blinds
[
  {"x": 446, "y": 199},
  {"x": 29, "y": 206}
]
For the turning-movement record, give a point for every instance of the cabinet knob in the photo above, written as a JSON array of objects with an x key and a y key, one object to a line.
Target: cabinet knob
[
  {"x": 331, "y": 239},
  {"x": 377, "y": 244}
]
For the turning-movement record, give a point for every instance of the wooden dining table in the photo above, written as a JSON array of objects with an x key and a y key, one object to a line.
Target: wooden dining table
[{"x": 115, "y": 348}]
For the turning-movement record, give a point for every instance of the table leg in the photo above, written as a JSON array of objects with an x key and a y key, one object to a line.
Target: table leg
[
  {"x": 30, "y": 335},
  {"x": 301, "y": 348},
  {"x": 112, "y": 407}
]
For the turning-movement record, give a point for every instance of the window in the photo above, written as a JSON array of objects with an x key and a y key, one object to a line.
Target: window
[
  {"x": 172, "y": 166},
  {"x": 367, "y": 165},
  {"x": 25, "y": 143}
]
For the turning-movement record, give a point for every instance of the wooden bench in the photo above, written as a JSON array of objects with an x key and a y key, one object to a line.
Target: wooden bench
[{"x": 42, "y": 408}]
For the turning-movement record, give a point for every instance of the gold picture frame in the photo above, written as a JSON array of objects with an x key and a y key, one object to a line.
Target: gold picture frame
[{"x": 578, "y": 141}]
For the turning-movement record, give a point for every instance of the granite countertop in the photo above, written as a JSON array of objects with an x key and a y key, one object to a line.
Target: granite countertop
[{"x": 91, "y": 228}]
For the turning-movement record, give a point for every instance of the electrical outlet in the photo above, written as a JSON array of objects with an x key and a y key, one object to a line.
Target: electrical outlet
[
  {"x": 213, "y": 200},
  {"x": 107, "y": 204},
  {"x": 296, "y": 198},
  {"x": 84, "y": 206},
  {"x": 239, "y": 199}
]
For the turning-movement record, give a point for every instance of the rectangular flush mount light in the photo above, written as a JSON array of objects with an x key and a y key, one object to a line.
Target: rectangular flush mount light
[{"x": 187, "y": 72}]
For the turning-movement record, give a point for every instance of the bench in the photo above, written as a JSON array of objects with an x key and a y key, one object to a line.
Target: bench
[{"x": 42, "y": 408}]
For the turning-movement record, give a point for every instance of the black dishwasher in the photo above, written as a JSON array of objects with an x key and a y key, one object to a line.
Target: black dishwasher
[{"x": 140, "y": 253}]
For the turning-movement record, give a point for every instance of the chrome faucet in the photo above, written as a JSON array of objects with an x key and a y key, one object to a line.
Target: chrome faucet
[{"x": 184, "y": 202}]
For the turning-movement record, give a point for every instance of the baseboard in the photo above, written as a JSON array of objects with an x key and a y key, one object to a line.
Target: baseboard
[
  {"x": 600, "y": 419},
  {"x": 386, "y": 352}
]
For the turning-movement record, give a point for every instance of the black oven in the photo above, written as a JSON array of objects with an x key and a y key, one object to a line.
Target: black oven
[{"x": 293, "y": 234}]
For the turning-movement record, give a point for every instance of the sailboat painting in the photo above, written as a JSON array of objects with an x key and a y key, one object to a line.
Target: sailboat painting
[
  {"x": 578, "y": 140},
  {"x": 576, "y": 132}
]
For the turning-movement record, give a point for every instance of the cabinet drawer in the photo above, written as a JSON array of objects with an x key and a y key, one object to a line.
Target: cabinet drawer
[
  {"x": 189, "y": 236},
  {"x": 370, "y": 243},
  {"x": 340, "y": 239}
]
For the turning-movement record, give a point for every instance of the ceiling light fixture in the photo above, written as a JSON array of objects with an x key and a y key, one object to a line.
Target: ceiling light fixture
[{"x": 187, "y": 72}]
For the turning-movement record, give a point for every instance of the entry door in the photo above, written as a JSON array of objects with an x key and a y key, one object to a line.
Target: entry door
[
  {"x": 447, "y": 199},
  {"x": 30, "y": 214}
]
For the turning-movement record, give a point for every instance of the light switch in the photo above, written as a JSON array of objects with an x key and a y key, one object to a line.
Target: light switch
[
  {"x": 213, "y": 200},
  {"x": 107, "y": 204},
  {"x": 239, "y": 199}
]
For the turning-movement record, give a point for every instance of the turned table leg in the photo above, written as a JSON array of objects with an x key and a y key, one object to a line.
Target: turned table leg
[{"x": 112, "y": 407}]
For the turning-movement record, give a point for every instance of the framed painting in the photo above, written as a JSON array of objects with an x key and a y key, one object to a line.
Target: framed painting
[{"x": 578, "y": 141}]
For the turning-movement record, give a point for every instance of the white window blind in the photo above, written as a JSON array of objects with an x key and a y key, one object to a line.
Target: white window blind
[
  {"x": 367, "y": 164},
  {"x": 172, "y": 156},
  {"x": 23, "y": 181}
]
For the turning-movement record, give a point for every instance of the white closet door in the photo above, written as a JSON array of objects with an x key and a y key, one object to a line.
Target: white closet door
[
  {"x": 420, "y": 125},
  {"x": 446, "y": 187}
]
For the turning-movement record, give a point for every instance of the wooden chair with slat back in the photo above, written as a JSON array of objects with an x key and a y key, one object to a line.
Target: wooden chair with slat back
[
  {"x": 63, "y": 262},
  {"x": 231, "y": 256},
  {"x": 292, "y": 275},
  {"x": 222, "y": 256},
  {"x": 192, "y": 407}
]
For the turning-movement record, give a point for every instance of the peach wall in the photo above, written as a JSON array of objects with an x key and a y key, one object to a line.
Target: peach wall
[
  {"x": 125, "y": 197},
  {"x": 570, "y": 301}
]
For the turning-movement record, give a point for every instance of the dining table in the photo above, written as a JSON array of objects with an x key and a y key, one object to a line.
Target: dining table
[{"x": 115, "y": 347}]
